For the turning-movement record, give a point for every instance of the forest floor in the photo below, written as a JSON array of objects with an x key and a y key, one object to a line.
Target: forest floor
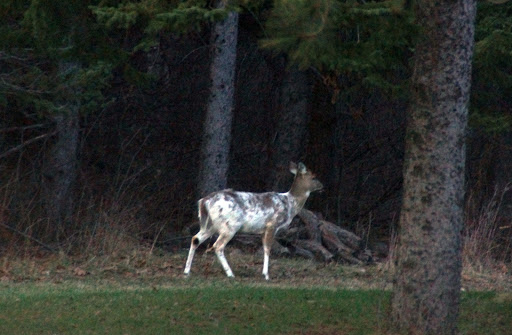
[{"x": 159, "y": 268}]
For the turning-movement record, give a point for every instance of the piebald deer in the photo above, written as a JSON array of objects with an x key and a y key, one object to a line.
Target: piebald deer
[{"x": 227, "y": 212}]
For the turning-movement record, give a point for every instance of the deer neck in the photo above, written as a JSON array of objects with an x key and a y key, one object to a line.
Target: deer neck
[{"x": 299, "y": 195}]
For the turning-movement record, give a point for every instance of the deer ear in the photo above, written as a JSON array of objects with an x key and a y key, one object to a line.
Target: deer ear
[
  {"x": 293, "y": 168},
  {"x": 302, "y": 168}
]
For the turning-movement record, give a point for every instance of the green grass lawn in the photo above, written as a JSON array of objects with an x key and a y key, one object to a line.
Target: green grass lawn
[
  {"x": 142, "y": 293},
  {"x": 224, "y": 307}
]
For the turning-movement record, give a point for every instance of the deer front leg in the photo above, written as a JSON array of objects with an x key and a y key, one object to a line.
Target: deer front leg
[{"x": 268, "y": 239}]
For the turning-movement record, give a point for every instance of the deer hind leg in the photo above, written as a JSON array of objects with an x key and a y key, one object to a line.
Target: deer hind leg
[
  {"x": 219, "y": 246},
  {"x": 268, "y": 239},
  {"x": 196, "y": 241}
]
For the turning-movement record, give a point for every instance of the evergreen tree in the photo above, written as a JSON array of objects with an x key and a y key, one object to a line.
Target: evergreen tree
[
  {"x": 360, "y": 50},
  {"x": 219, "y": 114},
  {"x": 160, "y": 17},
  {"x": 369, "y": 43},
  {"x": 490, "y": 108},
  {"x": 492, "y": 68},
  {"x": 428, "y": 262},
  {"x": 52, "y": 72},
  {"x": 291, "y": 128}
]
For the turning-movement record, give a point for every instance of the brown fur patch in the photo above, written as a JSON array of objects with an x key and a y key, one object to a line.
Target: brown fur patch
[{"x": 195, "y": 241}]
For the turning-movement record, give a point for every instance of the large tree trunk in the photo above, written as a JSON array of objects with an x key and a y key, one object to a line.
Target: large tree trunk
[
  {"x": 427, "y": 283},
  {"x": 291, "y": 127},
  {"x": 61, "y": 166},
  {"x": 217, "y": 123}
]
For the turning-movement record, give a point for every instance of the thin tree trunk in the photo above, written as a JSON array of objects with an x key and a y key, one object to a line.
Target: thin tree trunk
[
  {"x": 61, "y": 166},
  {"x": 427, "y": 282},
  {"x": 338, "y": 160},
  {"x": 217, "y": 123},
  {"x": 291, "y": 126}
]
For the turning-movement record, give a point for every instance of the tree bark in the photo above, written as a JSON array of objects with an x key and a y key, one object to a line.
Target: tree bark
[
  {"x": 217, "y": 123},
  {"x": 338, "y": 160},
  {"x": 291, "y": 127},
  {"x": 61, "y": 166},
  {"x": 427, "y": 280}
]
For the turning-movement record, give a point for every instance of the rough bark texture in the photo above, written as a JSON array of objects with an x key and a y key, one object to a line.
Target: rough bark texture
[
  {"x": 427, "y": 282},
  {"x": 291, "y": 126},
  {"x": 217, "y": 123}
]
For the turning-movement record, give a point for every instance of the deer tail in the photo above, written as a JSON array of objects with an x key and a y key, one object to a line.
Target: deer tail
[{"x": 204, "y": 215}]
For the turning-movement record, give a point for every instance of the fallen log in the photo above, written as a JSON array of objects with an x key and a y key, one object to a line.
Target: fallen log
[
  {"x": 332, "y": 242},
  {"x": 328, "y": 241},
  {"x": 301, "y": 252},
  {"x": 311, "y": 237},
  {"x": 317, "y": 249},
  {"x": 312, "y": 224},
  {"x": 345, "y": 237}
]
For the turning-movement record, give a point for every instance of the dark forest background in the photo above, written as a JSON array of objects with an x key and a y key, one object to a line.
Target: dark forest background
[{"x": 116, "y": 92}]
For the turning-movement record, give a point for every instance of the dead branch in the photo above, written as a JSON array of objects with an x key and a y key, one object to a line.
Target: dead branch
[
  {"x": 33, "y": 239},
  {"x": 26, "y": 143}
]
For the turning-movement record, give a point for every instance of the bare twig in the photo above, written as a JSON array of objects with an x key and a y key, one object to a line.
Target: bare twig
[
  {"x": 46, "y": 246},
  {"x": 24, "y": 144},
  {"x": 10, "y": 129}
]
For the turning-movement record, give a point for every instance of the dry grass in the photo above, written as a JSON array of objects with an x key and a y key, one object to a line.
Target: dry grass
[
  {"x": 147, "y": 266},
  {"x": 116, "y": 239},
  {"x": 487, "y": 242}
]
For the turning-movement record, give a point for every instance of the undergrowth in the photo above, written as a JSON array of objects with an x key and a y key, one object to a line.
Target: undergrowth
[
  {"x": 487, "y": 237},
  {"x": 118, "y": 236}
]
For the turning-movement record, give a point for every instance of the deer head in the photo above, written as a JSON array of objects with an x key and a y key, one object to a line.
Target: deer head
[{"x": 305, "y": 181}]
